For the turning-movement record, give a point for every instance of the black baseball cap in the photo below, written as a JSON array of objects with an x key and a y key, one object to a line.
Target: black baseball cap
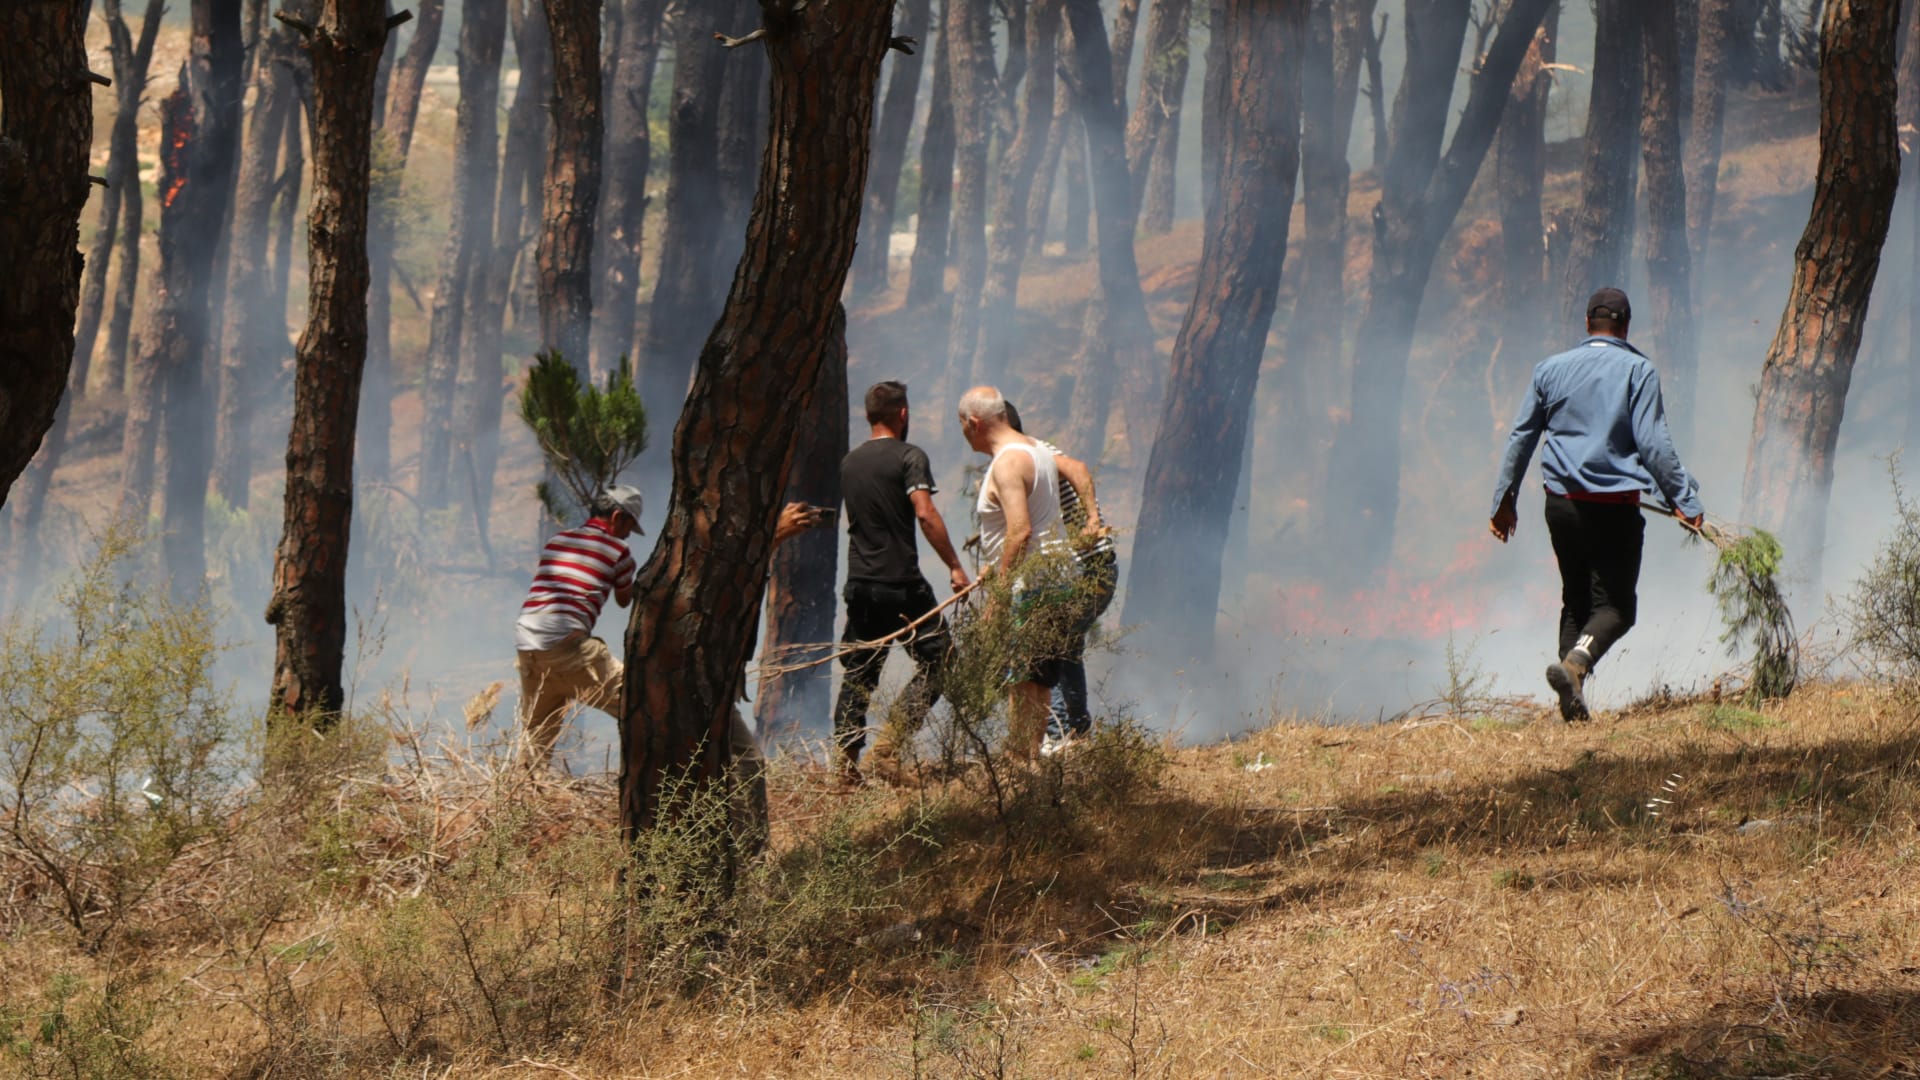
[{"x": 1609, "y": 302}]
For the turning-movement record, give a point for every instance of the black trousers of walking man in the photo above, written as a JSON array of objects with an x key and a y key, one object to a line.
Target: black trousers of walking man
[{"x": 1598, "y": 545}]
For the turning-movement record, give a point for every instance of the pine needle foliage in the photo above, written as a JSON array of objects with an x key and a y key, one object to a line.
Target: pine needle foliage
[
  {"x": 1745, "y": 583},
  {"x": 588, "y": 435}
]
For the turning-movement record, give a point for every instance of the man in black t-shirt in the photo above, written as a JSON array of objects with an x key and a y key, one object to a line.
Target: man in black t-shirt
[{"x": 888, "y": 486}]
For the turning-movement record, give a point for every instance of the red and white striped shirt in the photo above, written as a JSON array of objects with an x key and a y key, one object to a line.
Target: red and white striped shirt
[{"x": 577, "y": 570}]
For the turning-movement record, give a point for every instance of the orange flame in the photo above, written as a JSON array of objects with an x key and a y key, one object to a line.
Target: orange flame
[
  {"x": 1424, "y": 606},
  {"x": 176, "y": 117}
]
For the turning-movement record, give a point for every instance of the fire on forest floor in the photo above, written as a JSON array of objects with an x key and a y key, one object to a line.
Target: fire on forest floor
[{"x": 1686, "y": 889}]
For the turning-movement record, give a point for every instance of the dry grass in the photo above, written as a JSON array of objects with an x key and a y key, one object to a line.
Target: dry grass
[{"x": 1688, "y": 890}]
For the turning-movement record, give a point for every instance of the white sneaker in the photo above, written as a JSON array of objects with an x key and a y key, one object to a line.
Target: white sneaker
[{"x": 1051, "y": 746}]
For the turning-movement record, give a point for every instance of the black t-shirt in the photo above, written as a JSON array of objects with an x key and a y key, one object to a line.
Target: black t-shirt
[{"x": 877, "y": 480}]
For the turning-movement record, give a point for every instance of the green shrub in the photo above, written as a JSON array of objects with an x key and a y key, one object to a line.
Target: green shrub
[{"x": 1883, "y": 612}]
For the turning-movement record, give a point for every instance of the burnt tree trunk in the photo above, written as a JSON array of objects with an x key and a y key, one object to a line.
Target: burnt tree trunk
[
  {"x": 1712, "y": 67},
  {"x": 1077, "y": 201},
  {"x": 974, "y": 95},
  {"x": 927, "y": 272},
  {"x": 113, "y": 364},
  {"x": 686, "y": 297},
  {"x": 293, "y": 171},
  {"x": 1115, "y": 336},
  {"x": 623, "y": 213},
  {"x": 1376, "y": 92},
  {"x": 1520, "y": 162},
  {"x": 1174, "y": 587},
  {"x": 743, "y": 134},
  {"x": 1421, "y": 195},
  {"x": 1803, "y": 387},
  {"x": 214, "y": 68},
  {"x": 697, "y": 600},
  {"x": 1006, "y": 251},
  {"x": 1603, "y": 225},
  {"x": 483, "y": 34},
  {"x": 800, "y": 598},
  {"x": 1670, "y": 311},
  {"x": 1330, "y": 91},
  {"x": 572, "y": 185},
  {"x": 1153, "y": 134},
  {"x": 255, "y": 332},
  {"x": 1909, "y": 110},
  {"x": 871, "y": 259},
  {"x": 46, "y": 135},
  {"x": 409, "y": 76},
  {"x": 309, "y": 606},
  {"x": 1060, "y": 126}
]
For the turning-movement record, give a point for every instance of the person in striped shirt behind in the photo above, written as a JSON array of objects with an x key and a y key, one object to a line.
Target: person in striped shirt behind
[
  {"x": 560, "y": 661},
  {"x": 1068, "y": 715}
]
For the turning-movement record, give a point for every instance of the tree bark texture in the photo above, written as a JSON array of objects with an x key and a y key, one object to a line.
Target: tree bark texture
[
  {"x": 1115, "y": 338},
  {"x": 1521, "y": 174},
  {"x": 1421, "y": 194},
  {"x": 974, "y": 94},
  {"x": 254, "y": 335},
  {"x": 1603, "y": 226},
  {"x": 1174, "y": 587},
  {"x": 476, "y": 168},
  {"x": 46, "y": 135},
  {"x": 1712, "y": 68},
  {"x": 686, "y": 296},
  {"x": 1803, "y": 387},
  {"x": 1670, "y": 310},
  {"x": 927, "y": 272},
  {"x": 410, "y": 76},
  {"x": 800, "y": 596},
  {"x": 113, "y": 364},
  {"x": 573, "y": 180},
  {"x": 309, "y": 606},
  {"x": 697, "y": 599},
  {"x": 161, "y": 337},
  {"x": 1153, "y": 134},
  {"x": 131, "y": 59},
  {"x": 1909, "y": 112},
  {"x": 871, "y": 258},
  {"x": 293, "y": 170},
  {"x": 1006, "y": 250},
  {"x": 622, "y": 218},
  {"x": 214, "y": 69},
  {"x": 1077, "y": 201},
  {"x": 743, "y": 134},
  {"x": 1126, "y": 27},
  {"x": 1061, "y": 126}
]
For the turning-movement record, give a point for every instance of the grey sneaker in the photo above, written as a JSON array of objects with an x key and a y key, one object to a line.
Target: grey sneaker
[{"x": 1568, "y": 677}]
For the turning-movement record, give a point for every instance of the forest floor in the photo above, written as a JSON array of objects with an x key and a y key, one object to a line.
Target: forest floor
[{"x": 1682, "y": 889}]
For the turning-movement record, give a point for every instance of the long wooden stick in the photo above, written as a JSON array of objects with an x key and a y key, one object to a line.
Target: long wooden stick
[{"x": 900, "y": 636}]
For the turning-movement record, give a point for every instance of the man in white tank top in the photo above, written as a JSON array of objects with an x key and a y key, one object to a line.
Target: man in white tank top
[{"x": 1019, "y": 510}]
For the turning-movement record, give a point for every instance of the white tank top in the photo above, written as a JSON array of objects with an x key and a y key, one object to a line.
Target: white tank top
[{"x": 1043, "y": 505}]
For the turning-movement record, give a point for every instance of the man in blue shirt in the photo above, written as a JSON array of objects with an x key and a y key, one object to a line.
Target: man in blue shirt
[{"x": 1599, "y": 407}]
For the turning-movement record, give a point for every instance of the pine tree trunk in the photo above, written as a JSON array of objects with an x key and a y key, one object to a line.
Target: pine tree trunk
[
  {"x": 871, "y": 260},
  {"x": 697, "y": 600},
  {"x": 1115, "y": 337},
  {"x": 1603, "y": 226},
  {"x": 309, "y": 606},
  {"x": 743, "y": 134},
  {"x": 1711, "y": 71},
  {"x": 1006, "y": 251},
  {"x": 927, "y": 274},
  {"x": 1060, "y": 127},
  {"x": 255, "y": 333},
  {"x": 1126, "y": 26},
  {"x": 1421, "y": 195},
  {"x": 800, "y": 597},
  {"x": 1909, "y": 112},
  {"x": 1803, "y": 387},
  {"x": 974, "y": 94},
  {"x": 573, "y": 180},
  {"x": 629, "y": 159},
  {"x": 113, "y": 366},
  {"x": 1330, "y": 91},
  {"x": 483, "y": 34},
  {"x": 1174, "y": 587},
  {"x": 1670, "y": 311},
  {"x": 293, "y": 170},
  {"x": 1521, "y": 163},
  {"x": 47, "y": 129},
  {"x": 686, "y": 296},
  {"x": 395, "y": 122},
  {"x": 214, "y": 66},
  {"x": 1153, "y": 134},
  {"x": 1076, "y": 234}
]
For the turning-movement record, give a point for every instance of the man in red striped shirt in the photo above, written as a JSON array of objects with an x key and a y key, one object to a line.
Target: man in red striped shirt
[{"x": 560, "y": 661}]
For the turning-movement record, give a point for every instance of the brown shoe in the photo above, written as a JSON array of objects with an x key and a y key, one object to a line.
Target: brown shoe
[{"x": 1568, "y": 679}]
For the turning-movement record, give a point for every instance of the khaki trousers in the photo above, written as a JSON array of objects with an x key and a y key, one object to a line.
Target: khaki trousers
[{"x": 581, "y": 670}]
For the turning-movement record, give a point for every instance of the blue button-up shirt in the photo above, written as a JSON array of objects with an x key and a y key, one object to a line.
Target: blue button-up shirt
[{"x": 1598, "y": 404}]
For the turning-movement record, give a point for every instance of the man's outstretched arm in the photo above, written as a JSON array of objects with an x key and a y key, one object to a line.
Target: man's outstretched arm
[
  {"x": 934, "y": 528},
  {"x": 1655, "y": 442}
]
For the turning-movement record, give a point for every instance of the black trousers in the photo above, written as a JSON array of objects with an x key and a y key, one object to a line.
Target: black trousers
[
  {"x": 1598, "y": 545},
  {"x": 874, "y": 610}
]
